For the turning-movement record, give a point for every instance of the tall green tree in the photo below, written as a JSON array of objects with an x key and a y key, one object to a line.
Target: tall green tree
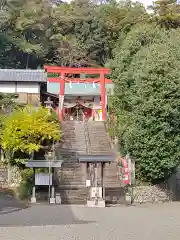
[{"x": 146, "y": 72}]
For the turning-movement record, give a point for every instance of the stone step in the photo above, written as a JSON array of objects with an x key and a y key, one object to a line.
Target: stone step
[
  {"x": 70, "y": 165},
  {"x": 68, "y": 176},
  {"x": 74, "y": 176},
  {"x": 71, "y": 184},
  {"x": 71, "y": 180},
  {"x": 70, "y": 168},
  {"x": 67, "y": 185},
  {"x": 98, "y": 138}
]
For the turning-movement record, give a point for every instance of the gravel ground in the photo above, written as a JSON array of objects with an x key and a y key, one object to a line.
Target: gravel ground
[{"x": 42, "y": 222}]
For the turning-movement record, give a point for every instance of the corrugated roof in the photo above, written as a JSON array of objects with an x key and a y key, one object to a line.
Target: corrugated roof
[{"x": 22, "y": 75}]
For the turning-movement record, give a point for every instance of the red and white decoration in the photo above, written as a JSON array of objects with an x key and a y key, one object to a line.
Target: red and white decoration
[{"x": 126, "y": 177}]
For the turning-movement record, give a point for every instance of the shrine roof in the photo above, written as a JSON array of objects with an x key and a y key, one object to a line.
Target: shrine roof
[
  {"x": 22, "y": 75},
  {"x": 96, "y": 158}
]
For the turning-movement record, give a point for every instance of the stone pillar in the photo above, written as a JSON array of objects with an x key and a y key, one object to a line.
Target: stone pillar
[
  {"x": 102, "y": 180},
  {"x": 52, "y": 198},
  {"x": 33, "y": 198},
  {"x": 9, "y": 173},
  {"x": 84, "y": 172}
]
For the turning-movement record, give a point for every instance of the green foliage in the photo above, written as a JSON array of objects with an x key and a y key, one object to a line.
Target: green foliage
[
  {"x": 81, "y": 32},
  {"x": 27, "y": 129},
  {"x": 147, "y": 71},
  {"x": 167, "y": 13},
  {"x": 112, "y": 119},
  {"x": 24, "y": 190},
  {"x": 8, "y": 102}
]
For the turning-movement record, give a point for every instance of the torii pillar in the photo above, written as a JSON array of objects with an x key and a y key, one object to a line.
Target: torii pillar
[
  {"x": 103, "y": 96},
  {"x": 61, "y": 95}
]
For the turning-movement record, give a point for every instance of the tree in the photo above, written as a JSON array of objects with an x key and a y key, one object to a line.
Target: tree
[
  {"x": 167, "y": 13},
  {"x": 27, "y": 129},
  {"x": 79, "y": 33},
  {"x": 147, "y": 72}
]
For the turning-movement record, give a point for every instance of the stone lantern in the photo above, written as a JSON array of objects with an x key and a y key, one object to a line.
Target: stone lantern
[{"x": 49, "y": 104}]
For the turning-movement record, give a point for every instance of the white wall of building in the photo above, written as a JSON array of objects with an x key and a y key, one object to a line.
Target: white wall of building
[
  {"x": 19, "y": 87},
  {"x": 28, "y": 88},
  {"x": 7, "y": 87}
]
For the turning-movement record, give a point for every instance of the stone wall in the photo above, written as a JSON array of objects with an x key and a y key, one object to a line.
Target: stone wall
[
  {"x": 152, "y": 194},
  {"x": 9, "y": 177},
  {"x": 3, "y": 177},
  {"x": 169, "y": 191}
]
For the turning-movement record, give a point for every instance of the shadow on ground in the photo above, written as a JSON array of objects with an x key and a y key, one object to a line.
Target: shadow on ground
[
  {"x": 14, "y": 213},
  {"x": 9, "y": 203}
]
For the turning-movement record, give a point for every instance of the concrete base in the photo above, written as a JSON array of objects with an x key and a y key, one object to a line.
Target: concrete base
[
  {"x": 93, "y": 203},
  {"x": 52, "y": 200},
  {"x": 58, "y": 198},
  {"x": 128, "y": 199},
  {"x": 33, "y": 199}
]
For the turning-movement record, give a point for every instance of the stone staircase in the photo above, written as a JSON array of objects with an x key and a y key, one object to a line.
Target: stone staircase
[
  {"x": 69, "y": 178},
  {"x": 74, "y": 136},
  {"x": 89, "y": 138},
  {"x": 99, "y": 142}
]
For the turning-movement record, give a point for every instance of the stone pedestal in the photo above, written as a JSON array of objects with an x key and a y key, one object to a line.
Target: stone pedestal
[
  {"x": 58, "y": 198},
  {"x": 52, "y": 200},
  {"x": 33, "y": 199}
]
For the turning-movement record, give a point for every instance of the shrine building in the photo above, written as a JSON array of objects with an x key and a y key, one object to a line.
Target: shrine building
[{"x": 80, "y": 92}]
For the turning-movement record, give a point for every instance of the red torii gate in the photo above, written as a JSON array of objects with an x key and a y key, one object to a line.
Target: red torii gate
[{"x": 61, "y": 79}]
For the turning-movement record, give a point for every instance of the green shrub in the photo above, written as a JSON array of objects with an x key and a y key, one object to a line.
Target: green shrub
[
  {"x": 25, "y": 188},
  {"x": 24, "y": 191}
]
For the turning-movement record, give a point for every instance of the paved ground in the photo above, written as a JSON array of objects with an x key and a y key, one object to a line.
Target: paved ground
[
  {"x": 43, "y": 222},
  {"x": 8, "y": 203}
]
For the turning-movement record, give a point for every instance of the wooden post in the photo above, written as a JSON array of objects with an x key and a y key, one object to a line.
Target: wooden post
[
  {"x": 34, "y": 174},
  {"x": 33, "y": 196},
  {"x": 103, "y": 95},
  {"x": 102, "y": 180}
]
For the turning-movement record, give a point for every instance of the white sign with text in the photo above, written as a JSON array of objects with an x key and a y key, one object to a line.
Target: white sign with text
[{"x": 42, "y": 179}]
